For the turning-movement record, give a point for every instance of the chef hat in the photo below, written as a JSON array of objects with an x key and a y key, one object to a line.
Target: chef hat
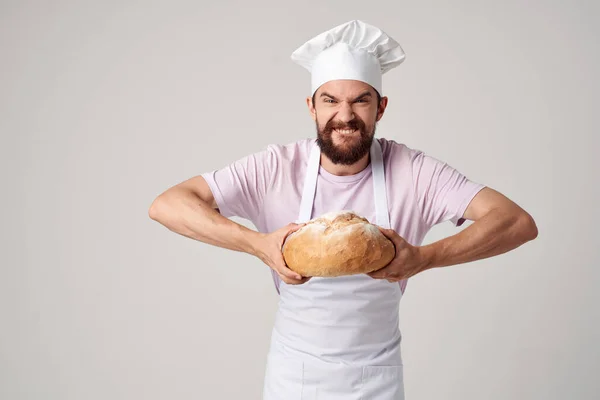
[{"x": 354, "y": 50}]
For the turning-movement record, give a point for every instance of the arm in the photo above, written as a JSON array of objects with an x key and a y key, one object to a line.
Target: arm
[
  {"x": 499, "y": 226},
  {"x": 190, "y": 210}
]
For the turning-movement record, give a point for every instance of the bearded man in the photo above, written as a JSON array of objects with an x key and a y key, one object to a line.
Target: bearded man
[{"x": 339, "y": 338}]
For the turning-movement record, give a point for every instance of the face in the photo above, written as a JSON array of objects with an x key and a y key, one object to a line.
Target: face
[{"x": 346, "y": 113}]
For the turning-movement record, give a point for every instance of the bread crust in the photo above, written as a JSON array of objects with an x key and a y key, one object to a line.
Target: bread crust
[{"x": 337, "y": 244}]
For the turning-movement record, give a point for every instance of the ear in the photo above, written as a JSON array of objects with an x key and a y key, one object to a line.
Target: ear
[
  {"x": 311, "y": 108},
  {"x": 382, "y": 105}
]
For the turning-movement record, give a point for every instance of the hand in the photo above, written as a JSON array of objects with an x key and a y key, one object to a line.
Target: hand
[
  {"x": 408, "y": 261},
  {"x": 269, "y": 251}
]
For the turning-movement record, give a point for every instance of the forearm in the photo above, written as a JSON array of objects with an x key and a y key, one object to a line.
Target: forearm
[
  {"x": 495, "y": 233},
  {"x": 185, "y": 213}
]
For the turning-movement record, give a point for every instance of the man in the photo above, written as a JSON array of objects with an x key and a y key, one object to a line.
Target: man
[{"x": 338, "y": 338}]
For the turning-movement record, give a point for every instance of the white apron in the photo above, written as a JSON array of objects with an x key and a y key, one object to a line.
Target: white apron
[{"x": 337, "y": 338}]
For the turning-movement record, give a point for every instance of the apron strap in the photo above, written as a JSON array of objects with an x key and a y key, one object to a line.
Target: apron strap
[
  {"x": 377, "y": 169},
  {"x": 380, "y": 192},
  {"x": 310, "y": 185}
]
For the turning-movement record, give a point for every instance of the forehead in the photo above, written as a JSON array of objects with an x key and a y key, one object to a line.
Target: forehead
[{"x": 344, "y": 88}]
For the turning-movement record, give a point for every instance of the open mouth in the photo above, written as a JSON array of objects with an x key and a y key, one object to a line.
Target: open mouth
[{"x": 346, "y": 131}]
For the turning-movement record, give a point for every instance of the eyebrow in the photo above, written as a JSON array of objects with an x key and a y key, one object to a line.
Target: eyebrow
[{"x": 365, "y": 94}]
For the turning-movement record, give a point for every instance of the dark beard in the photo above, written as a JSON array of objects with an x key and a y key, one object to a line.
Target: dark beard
[{"x": 345, "y": 155}]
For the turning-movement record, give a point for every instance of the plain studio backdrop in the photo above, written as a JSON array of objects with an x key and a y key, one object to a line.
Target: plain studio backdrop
[{"x": 104, "y": 105}]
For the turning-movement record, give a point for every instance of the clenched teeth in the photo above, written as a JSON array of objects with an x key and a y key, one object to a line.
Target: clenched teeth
[{"x": 346, "y": 131}]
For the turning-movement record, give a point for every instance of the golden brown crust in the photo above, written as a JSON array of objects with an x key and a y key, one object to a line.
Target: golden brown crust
[{"x": 337, "y": 244}]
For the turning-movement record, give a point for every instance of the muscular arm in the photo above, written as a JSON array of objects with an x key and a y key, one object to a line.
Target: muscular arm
[
  {"x": 499, "y": 226},
  {"x": 189, "y": 209}
]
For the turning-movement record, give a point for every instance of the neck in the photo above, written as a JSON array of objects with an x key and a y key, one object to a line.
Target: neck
[{"x": 341, "y": 170}]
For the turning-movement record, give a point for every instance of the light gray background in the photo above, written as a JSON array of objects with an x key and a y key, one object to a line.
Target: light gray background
[{"x": 103, "y": 105}]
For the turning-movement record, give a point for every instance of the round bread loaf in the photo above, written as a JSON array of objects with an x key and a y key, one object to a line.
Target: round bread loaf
[{"x": 336, "y": 244}]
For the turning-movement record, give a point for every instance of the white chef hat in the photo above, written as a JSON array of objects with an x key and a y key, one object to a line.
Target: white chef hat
[{"x": 354, "y": 50}]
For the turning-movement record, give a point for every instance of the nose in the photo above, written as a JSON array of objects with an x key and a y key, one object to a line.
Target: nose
[{"x": 345, "y": 113}]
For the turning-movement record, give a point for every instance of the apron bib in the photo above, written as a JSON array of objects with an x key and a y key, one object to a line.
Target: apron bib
[{"x": 337, "y": 338}]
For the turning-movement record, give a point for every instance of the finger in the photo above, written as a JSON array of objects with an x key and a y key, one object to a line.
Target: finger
[
  {"x": 383, "y": 230},
  {"x": 376, "y": 275},
  {"x": 287, "y": 280},
  {"x": 303, "y": 280},
  {"x": 393, "y": 236},
  {"x": 380, "y": 273},
  {"x": 292, "y": 281},
  {"x": 387, "y": 278},
  {"x": 284, "y": 270},
  {"x": 293, "y": 227},
  {"x": 390, "y": 234}
]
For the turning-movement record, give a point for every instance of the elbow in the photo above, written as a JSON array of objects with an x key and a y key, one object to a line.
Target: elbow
[
  {"x": 528, "y": 227},
  {"x": 154, "y": 210}
]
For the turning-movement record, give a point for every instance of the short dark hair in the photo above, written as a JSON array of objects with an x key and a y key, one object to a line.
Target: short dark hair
[{"x": 376, "y": 92}]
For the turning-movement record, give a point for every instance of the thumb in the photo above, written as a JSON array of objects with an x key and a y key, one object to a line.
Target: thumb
[
  {"x": 390, "y": 234},
  {"x": 292, "y": 227}
]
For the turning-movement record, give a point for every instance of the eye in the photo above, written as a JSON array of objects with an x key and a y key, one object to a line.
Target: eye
[{"x": 329, "y": 101}]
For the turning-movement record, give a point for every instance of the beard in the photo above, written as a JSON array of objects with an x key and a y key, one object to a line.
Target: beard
[{"x": 354, "y": 147}]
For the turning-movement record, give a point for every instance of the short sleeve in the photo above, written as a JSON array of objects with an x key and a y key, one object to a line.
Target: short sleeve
[
  {"x": 240, "y": 187},
  {"x": 443, "y": 193}
]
